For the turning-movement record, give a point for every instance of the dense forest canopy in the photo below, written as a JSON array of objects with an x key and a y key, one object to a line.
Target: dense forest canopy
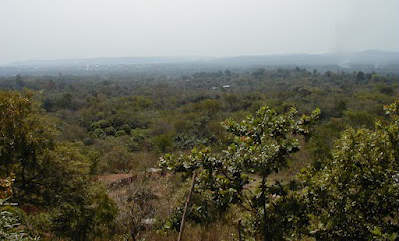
[{"x": 277, "y": 153}]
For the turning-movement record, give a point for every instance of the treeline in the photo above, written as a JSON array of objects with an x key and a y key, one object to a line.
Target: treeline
[{"x": 61, "y": 133}]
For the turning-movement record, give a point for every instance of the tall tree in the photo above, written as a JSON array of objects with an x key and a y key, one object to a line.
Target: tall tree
[
  {"x": 356, "y": 195},
  {"x": 50, "y": 175},
  {"x": 260, "y": 146}
]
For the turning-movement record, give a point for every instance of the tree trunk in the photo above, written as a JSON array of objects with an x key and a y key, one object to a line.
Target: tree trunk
[
  {"x": 265, "y": 226},
  {"x": 133, "y": 234},
  {"x": 239, "y": 230},
  {"x": 183, "y": 218}
]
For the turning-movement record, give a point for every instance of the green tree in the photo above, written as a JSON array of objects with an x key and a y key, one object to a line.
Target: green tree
[
  {"x": 50, "y": 175},
  {"x": 263, "y": 144},
  {"x": 356, "y": 195},
  {"x": 26, "y": 139},
  {"x": 260, "y": 146},
  {"x": 88, "y": 217}
]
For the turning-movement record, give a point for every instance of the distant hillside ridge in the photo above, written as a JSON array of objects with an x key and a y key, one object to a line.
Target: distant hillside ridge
[{"x": 373, "y": 59}]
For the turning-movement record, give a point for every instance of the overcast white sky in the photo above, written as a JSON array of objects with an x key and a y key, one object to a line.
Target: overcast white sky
[{"x": 54, "y": 29}]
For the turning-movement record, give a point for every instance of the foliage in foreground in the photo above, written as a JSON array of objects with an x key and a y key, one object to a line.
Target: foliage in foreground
[
  {"x": 260, "y": 146},
  {"x": 11, "y": 222},
  {"x": 10, "y": 228},
  {"x": 92, "y": 126},
  {"x": 51, "y": 178},
  {"x": 356, "y": 195}
]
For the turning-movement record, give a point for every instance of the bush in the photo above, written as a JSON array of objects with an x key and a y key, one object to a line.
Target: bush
[
  {"x": 89, "y": 218},
  {"x": 356, "y": 195},
  {"x": 11, "y": 228}
]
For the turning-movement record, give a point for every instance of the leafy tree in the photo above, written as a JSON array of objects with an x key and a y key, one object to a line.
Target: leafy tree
[
  {"x": 260, "y": 146},
  {"x": 48, "y": 174},
  {"x": 25, "y": 139},
  {"x": 356, "y": 195},
  {"x": 163, "y": 143},
  {"x": 88, "y": 217}
]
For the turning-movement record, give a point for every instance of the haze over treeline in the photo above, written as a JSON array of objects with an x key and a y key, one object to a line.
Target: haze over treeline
[
  {"x": 241, "y": 120},
  {"x": 48, "y": 29}
]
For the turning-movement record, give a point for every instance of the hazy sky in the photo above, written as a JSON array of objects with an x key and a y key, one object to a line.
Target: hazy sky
[{"x": 48, "y": 29}]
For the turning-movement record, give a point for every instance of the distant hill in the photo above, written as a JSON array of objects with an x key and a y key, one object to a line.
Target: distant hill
[
  {"x": 107, "y": 61},
  {"x": 369, "y": 60},
  {"x": 369, "y": 57}
]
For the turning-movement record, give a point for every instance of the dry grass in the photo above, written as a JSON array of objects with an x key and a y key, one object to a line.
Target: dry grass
[
  {"x": 214, "y": 232},
  {"x": 296, "y": 163},
  {"x": 111, "y": 178},
  {"x": 145, "y": 160},
  {"x": 168, "y": 194},
  {"x": 169, "y": 191}
]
